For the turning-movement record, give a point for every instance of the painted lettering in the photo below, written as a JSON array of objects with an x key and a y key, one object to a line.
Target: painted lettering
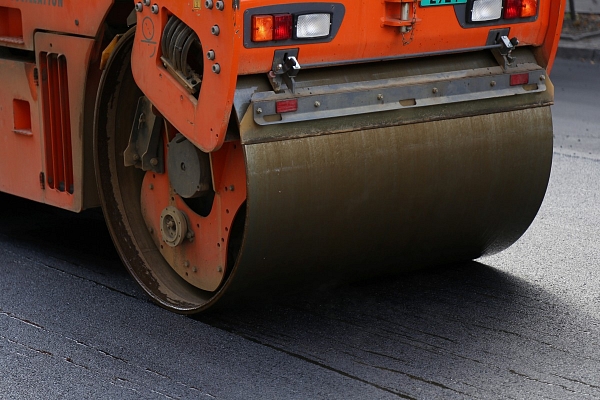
[{"x": 53, "y": 3}]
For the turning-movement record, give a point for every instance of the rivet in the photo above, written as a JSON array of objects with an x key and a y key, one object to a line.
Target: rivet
[
  {"x": 259, "y": 110},
  {"x": 154, "y": 9},
  {"x": 379, "y": 96},
  {"x": 434, "y": 90},
  {"x": 136, "y": 157},
  {"x": 542, "y": 78},
  {"x": 493, "y": 83},
  {"x": 317, "y": 103},
  {"x": 220, "y": 269},
  {"x": 231, "y": 188},
  {"x": 77, "y": 22},
  {"x": 151, "y": 186},
  {"x": 215, "y": 30},
  {"x": 195, "y": 269},
  {"x": 186, "y": 264},
  {"x": 154, "y": 162},
  {"x": 210, "y": 54}
]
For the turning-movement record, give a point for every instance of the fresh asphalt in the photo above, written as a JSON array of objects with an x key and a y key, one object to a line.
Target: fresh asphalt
[{"x": 523, "y": 324}]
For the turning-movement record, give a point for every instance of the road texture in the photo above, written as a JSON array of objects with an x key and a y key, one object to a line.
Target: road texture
[{"x": 523, "y": 324}]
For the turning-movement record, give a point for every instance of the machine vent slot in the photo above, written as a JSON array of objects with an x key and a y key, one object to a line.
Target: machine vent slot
[{"x": 57, "y": 122}]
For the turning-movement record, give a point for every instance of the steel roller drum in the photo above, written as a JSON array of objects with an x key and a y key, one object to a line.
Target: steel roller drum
[{"x": 378, "y": 201}]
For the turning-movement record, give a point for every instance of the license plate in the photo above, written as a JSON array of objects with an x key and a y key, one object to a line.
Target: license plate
[{"x": 425, "y": 3}]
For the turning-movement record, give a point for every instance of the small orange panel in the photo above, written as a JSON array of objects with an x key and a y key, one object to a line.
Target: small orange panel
[{"x": 262, "y": 28}]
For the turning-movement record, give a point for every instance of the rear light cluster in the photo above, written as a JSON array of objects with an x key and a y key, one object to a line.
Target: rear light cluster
[
  {"x": 270, "y": 27},
  {"x": 490, "y": 10}
]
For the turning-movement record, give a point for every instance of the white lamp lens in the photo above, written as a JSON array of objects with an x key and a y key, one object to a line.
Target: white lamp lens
[
  {"x": 313, "y": 25},
  {"x": 486, "y": 10}
]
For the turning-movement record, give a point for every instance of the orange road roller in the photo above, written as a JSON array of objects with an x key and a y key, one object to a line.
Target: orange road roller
[{"x": 243, "y": 146}]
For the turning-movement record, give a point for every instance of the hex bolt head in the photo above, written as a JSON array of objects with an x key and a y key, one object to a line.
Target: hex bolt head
[
  {"x": 220, "y": 5},
  {"x": 139, "y": 7},
  {"x": 215, "y": 30},
  {"x": 493, "y": 83},
  {"x": 434, "y": 90},
  {"x": 208, "y": 4},
  {"x": 542, "y": 78},
  {"x": 210, "y": 54},
  {"x": 216, "y": 68},
  {"x": 259, "y": 110},
  {"x": 317, "y": 103},
  {"x": 154, "y": 8},
  {"x": 379, "y": 96}
]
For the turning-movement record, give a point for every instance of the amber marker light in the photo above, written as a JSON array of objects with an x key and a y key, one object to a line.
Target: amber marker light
[
  {"x": 262, "y": 28},
  {"x": 529, "y": 8}
]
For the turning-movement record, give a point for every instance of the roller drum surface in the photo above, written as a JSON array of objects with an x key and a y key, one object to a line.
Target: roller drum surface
[{"x": 386, "y": 200}]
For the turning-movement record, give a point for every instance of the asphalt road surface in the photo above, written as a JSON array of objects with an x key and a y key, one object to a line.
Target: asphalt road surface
[{"x": 524, "y": 324}]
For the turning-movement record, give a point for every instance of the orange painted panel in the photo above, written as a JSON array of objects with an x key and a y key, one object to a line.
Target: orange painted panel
[
  {"x": 20, "y": 149},
  {"x": 83, "y": 18},
  {"x": 202, "y": 121}
]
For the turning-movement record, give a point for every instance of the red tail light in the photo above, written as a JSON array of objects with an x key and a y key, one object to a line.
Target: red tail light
[
  {"x": 282, "y": 26},
  {"x": 512, "y": 9},
  {"x": 520, "y": 9},
  {"x": 519, "y": 79},
  {"x": 284, "y": 106}
]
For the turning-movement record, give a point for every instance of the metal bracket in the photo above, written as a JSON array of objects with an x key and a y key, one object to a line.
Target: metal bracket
[
  {"x": 145, "y": 149},
  {"x": 284, "y": 70},
  {"x": 503, "y": 52}
]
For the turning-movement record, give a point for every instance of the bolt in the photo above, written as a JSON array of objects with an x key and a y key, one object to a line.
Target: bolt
[
  {"x": 151, "y": 186},
  {"x": 154, "y": 8},
  {"x": 195, "y": 269},
  {"x": 317, "y": 103},
  {"x": 146, "y": 2},
  {"x": 208, "y": 4},
  {"x": 434, "y": 90},
  {"x": 170, "y": 224},
  {"x": 231, "y": 188},
  {"x": 139, "y": 7},
  {"x": 215, "y": 30},
  {"x": 379, "y": 96},
  {"x": 259, "y": 110},
  {"x": 279, "y": 67},
  {"x": 186, "y": 263},
  {"x": 151, "y": 230},
  {"x": 220, "y": 5},
  {"x": 77, "y": 22},
  {"x": 210, "y": 54},
  {"x": 493, "y": 83},
  {"x": 136, "y": 157},
  {"x": 154, "y": 162},
  {"x": 542, "y": 78},
  {"x": 216, "y": 68},
  {"x": 220, "y": 269}
]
